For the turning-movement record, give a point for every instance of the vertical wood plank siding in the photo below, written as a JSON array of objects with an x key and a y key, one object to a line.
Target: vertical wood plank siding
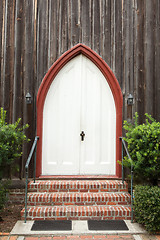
[{"x": 35, "y": 33}]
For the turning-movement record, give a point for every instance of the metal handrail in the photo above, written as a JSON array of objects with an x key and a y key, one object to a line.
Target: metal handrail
[
  {"x": 33, "y": 149},
  {"x": 126, "y": 149}
]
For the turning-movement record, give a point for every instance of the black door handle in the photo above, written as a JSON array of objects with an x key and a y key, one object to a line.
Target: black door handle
[{"x": 82, "y": 135}]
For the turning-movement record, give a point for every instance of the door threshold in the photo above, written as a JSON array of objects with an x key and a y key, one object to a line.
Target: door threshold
[{"x": 82, "y": 177}]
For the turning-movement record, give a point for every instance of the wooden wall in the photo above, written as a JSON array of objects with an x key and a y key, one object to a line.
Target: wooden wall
[{"x": 34, "y": 33}]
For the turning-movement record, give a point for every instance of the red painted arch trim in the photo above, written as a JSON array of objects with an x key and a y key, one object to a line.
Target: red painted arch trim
[{"x": 49, "y": 77}]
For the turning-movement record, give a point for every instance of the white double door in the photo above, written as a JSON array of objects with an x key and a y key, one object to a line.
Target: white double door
[{"x": 79, "y": 101}]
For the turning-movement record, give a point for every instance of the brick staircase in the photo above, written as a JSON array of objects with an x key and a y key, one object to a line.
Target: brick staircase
[{"x": 78, "y": 200}]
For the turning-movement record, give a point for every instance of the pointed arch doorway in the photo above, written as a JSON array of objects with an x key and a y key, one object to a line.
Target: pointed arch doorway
[{"x": 79, "y": 117}]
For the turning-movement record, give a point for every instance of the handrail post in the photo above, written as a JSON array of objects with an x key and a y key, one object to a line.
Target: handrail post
[
  {"x": 131, "y": 193},
  {"x": 122, "y": 164},
  {"x": 125, "y": 147},
  {"x": 34, "y": 173},
  {"x": 122, "y": 160},
  {"x": 26, "y": 191},
  {"x": 34, "y": 147}
]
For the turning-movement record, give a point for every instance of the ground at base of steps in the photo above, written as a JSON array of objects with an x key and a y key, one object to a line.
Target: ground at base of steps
[{"x": 6, "y": 236}]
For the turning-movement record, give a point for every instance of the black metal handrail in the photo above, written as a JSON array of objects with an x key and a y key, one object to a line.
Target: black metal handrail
[
  {"x": 33, "y": 150},
  {"x": 126, "y": 149}
]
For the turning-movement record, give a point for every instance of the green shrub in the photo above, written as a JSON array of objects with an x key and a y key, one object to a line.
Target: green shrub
[
  {"x": 11, "y": 139},
  {"x": 144, "y": 148},
  {"x": 3, "y": 192},
  {"x": 147, "y": 207}
]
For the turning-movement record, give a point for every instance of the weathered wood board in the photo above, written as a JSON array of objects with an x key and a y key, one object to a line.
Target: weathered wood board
[{"x": 35, "y": 33}]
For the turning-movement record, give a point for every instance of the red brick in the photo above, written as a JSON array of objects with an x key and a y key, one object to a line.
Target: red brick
[
  {"x": 86, "y": 237},
  {"x": 73, "y": 237},
  {"x": 113, "y": 237},
  {"x": 84, "y": 218},
  {"x": 39, "y": 218},
  {"x": 13, "y": 238},
  {"x": 126, "y": 236},
  {"x": 99, "y": 236},
  {"x": 4, "y": 237},
  {"x": 4, "y": 234},
  {"x": 31, "y": 238},
  {"x": 74, "y": 218},
  {"x": 83, "y": 190},
  {"x": 45, "y": 238},
  {"x": 59, "y": 238},
  {"x": 111, "y": 203}
]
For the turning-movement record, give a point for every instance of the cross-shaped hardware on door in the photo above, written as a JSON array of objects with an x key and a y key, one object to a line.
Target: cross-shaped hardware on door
[{"x": 82, "y": 136}]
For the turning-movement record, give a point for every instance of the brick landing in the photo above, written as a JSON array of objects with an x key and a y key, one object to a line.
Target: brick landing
[{"x": 71, "y": 237}]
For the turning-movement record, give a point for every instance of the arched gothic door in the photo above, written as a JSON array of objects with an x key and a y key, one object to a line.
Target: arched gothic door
[{"x": 79, "y": 115}]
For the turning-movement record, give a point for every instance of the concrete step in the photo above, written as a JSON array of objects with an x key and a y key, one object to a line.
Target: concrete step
[
  {"x": 71, "y": 198},
  {"x": 77, "y": 186},
  {"x": 77, "y": 212}
]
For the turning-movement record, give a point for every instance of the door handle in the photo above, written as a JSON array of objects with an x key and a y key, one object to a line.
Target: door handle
[{"x": 82, "y": 134}]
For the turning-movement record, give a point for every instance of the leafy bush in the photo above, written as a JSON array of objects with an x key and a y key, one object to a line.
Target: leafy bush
[
  {"x": 3, "y": 192},
  {"x": 11, "y": 139},
  {"x": 144, "y": 148},
  {"x": 147, "y": 207}
]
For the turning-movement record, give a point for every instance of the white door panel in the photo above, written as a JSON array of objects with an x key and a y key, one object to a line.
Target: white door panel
[
  {"x": 61, "y": 123},
  {"x": 100, "y": 123},
  {"x": 79, "y": 99}
]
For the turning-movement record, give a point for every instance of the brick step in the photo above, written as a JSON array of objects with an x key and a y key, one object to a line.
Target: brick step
[
  {"x": 77, "y": 212},
  {"x": 78, "y": 186},
  {"x": 69, "y": 198}
]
